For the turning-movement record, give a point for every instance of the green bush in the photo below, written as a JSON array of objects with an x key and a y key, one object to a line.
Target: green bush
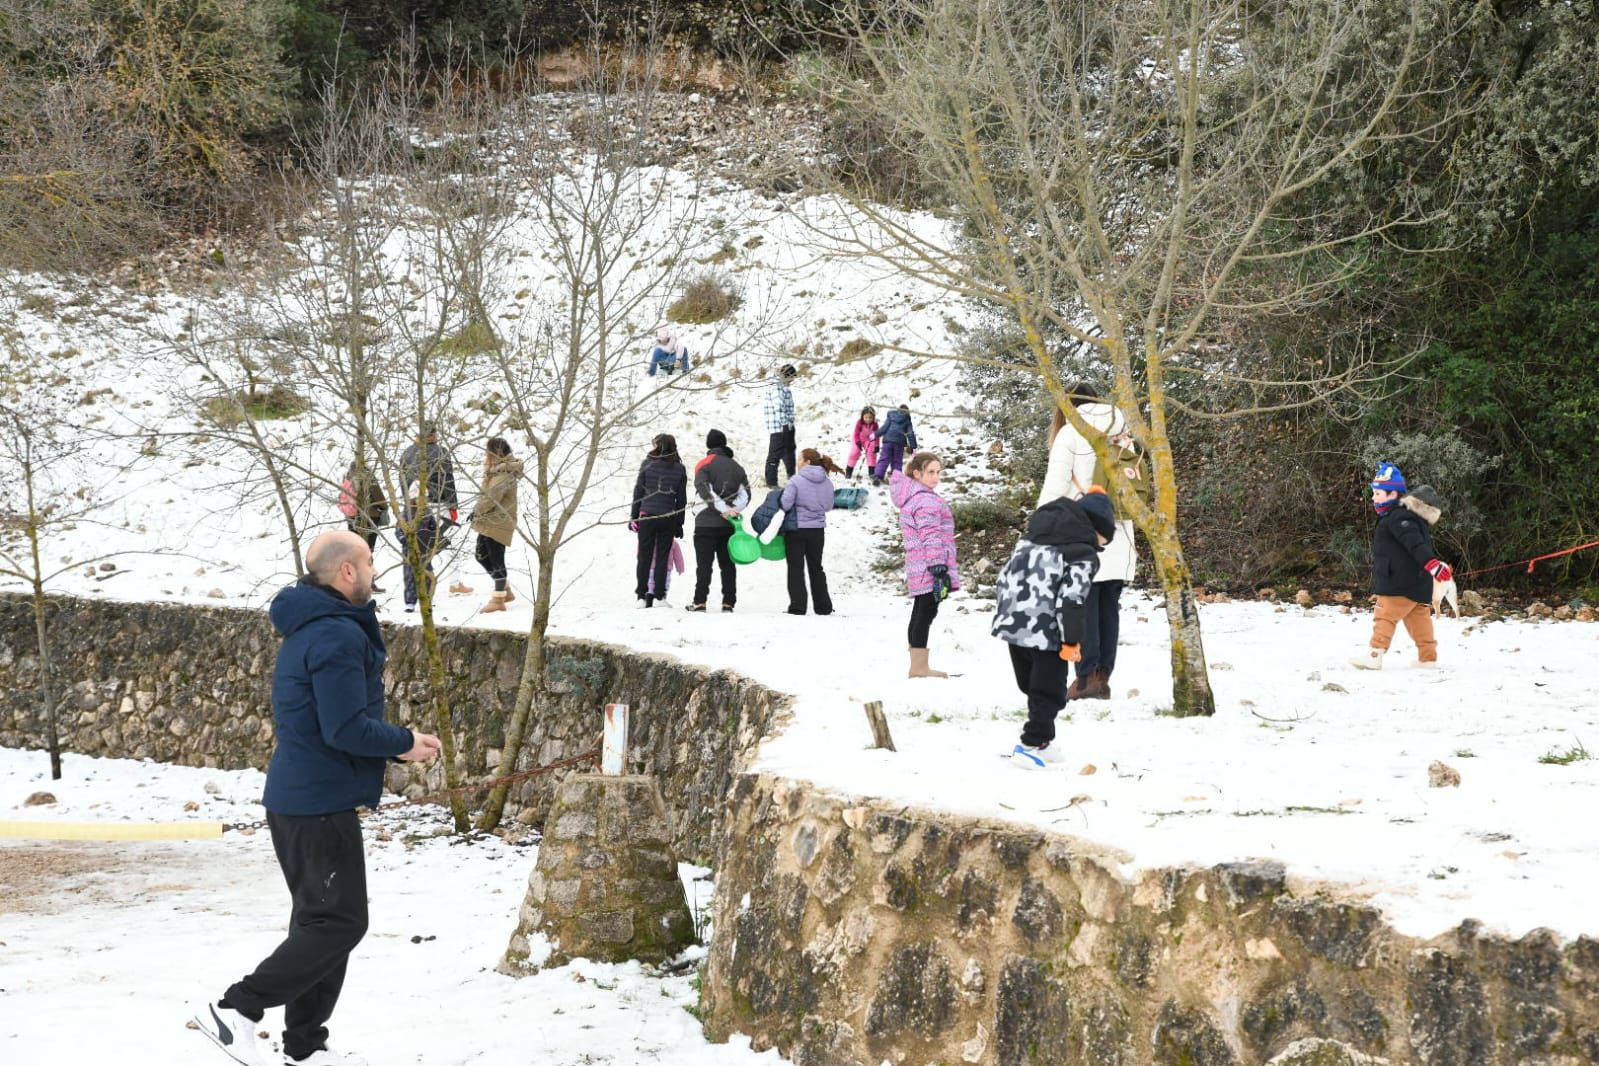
[
  {"x": 258, "y": 405},
  {"x": 984, "y": 514}
]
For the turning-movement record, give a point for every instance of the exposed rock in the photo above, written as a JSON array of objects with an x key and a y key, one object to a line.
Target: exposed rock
[
  {"x": 1304, "y": 598},
  {"x": 40, "y": 799},
  {"x": 1440, "y": 775},
  {"x": 1471, "y": 602}
]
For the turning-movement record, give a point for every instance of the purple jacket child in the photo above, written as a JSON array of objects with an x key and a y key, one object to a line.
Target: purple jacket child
[
  {"x": 812, "y": 493},
  {"x": 929, "y": 528}
]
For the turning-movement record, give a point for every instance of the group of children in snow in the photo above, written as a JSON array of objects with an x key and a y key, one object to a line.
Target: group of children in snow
[
  {"x": 790, "y": 522},
  {"x": 1057, "y": 597}
]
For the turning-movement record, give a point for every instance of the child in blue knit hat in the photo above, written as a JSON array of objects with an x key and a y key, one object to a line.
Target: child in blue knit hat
[{"x": 1404, "y": 566}]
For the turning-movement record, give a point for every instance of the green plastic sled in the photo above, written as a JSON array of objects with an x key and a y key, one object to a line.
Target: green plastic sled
[
  {"x": 775, "y": 550},
  {"x": 743, "y": 546}
]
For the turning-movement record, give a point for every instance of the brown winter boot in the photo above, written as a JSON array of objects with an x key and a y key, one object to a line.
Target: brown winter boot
[
  {"x": 496, "y": 603},
  {"x": 919, "y": 667},
  {"x": 1097, "y": 686},
  {"x": 460, "y": 588},
  {"x": 509, "y": 595}
]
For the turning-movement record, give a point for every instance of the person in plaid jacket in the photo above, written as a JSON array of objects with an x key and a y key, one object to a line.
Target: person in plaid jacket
[{"x": 780, "y": 424}]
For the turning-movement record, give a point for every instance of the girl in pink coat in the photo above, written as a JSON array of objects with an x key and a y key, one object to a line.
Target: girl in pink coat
[
  {"x": 862, "y": 443},
  {"x": 931, "y": 572}
]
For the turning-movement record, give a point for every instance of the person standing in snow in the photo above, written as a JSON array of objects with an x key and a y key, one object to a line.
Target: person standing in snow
[
  {"x": 1404, "y": 566},
  {"x": 928, "y": 527},
  {"x": 779, "y": 408},
  {"x": 863, "y": 442},
  {"x": 660, "y": 498},
  {"x": 494, "y": 518},
  {"x": 669, "y": 354},
  {"x": 1071, "y": 473},
  {"x": 440, "y": 471},
  {"x": 808, "y": 496},
  {"x": 1040, "y": 602},
  {"x": 724, "y": 487},
  {"x": 897, "y": 434},
  {"x": 332, "y": 747},
  {"x": 420, "y": 525}
]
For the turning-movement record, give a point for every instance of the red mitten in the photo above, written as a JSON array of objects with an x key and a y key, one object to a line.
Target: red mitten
[
  {"x": 455, "y": 516},
  {"x": 1439, "y": 570}
]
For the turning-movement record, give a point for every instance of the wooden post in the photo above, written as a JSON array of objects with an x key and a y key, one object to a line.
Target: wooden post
[
  {"x": 880, "y": 735},
  {"x": 613, "y": 752}
]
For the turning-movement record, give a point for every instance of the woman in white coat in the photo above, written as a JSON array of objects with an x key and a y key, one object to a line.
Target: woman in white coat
[{"x": 1070, "y": 473}]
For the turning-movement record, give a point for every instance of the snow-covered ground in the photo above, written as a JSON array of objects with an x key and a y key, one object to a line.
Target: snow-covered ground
[
  {"x": 105, "y": 947},
  {"x": 1306, "y": 760}
]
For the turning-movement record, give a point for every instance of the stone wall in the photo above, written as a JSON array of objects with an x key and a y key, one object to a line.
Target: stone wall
[
  {"x": 191, "y": 685},
  {"x": 853, "y": 932}
]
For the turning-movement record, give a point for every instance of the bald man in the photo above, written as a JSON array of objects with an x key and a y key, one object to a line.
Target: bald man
[{"x": 332, "y": 747}]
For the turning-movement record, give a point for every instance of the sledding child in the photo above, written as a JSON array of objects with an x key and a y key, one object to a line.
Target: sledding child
[
  {"x": 669, "y": 352},
  {"x": 1040, "y": 611},
  {"x": 424, "y": 526},
  {"x": 863, "y": 442},
  {"x": 897, "y": 434},
  {"x": 931, "y": 573},
  {"x": 1404, "y": 566}
]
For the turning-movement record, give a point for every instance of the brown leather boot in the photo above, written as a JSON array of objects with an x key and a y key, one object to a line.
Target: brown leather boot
[
  {"x": 1097, "y": 686},
  {"x": 919, "y": 667}
]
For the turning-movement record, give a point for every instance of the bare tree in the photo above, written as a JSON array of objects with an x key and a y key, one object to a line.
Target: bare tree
[
  {"x": 50, "y": 486},
  {"x": 618, "y": 238},
  {"x": 1132, "y": 177}
]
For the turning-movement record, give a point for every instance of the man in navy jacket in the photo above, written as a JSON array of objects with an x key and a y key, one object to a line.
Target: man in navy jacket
[{"x": 332, "y": 747}]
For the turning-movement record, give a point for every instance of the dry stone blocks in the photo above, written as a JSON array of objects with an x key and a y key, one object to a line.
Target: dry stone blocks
[{"x": 605, "y": 886}]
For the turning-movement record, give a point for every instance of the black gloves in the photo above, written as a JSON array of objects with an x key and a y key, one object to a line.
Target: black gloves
[{"x": 941, "y": 582}]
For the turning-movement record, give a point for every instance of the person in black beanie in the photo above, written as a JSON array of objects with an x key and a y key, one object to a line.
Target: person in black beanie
[
  {"x": 1039, "y": 610},
  {"x": 725, "y": 489}
]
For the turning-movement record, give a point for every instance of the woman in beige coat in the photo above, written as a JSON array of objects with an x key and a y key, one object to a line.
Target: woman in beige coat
[
  {"x": 1070, "y": 473},
  {"x": 494, "y": 518}
]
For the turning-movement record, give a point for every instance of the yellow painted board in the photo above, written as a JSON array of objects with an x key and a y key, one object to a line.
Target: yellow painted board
[{"x": 40, "y": 830}]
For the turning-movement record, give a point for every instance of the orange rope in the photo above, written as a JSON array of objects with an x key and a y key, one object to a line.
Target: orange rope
[{"x": 1534, "y": 561}]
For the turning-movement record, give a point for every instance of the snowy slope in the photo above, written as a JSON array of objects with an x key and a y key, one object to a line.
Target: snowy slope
[{"x": 1338, "y": 791}]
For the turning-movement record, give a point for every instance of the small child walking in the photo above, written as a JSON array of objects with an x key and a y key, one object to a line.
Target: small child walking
[
  {"x": 1404, "y": 566},
  {"x": 1040, "y": 611},
  {"x": 931, "y": 572},
  {"x": 897, "y": 434},
  {"x": 863, "y": 442}
]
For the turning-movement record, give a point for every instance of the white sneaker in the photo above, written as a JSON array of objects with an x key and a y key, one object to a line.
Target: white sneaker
[
  {"x": 1372, "y": 660},
  {"x": 326, "y": 1057},
  {"x": 230, "y": 1031},
  {"x": 1028, "y": 758}
]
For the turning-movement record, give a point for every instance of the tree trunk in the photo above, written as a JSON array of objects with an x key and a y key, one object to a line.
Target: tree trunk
[
  {"x": 527, "y": 693},
  {"x": 435, "y": 662},
  {"x": 47, "y": 688},
  {"x": 1190, "y": 679}
]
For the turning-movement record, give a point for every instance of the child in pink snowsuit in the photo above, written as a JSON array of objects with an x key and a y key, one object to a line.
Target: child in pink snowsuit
[
  {"x": 862, "y": 442},
  {"x": 931, "y": 572},
  {"x": 674, "y": 562}
]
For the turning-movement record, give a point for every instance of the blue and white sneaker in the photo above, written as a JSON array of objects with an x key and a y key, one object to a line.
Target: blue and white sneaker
[
  {"x": 1039, "y": 758},
  {"x": 230, "y": 1031}
]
